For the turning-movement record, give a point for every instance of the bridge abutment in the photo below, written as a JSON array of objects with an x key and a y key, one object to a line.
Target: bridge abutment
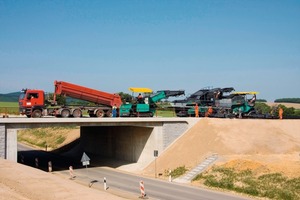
[
  {"x": 2, "y": 141},
  {"x": 8, "y": 143}
]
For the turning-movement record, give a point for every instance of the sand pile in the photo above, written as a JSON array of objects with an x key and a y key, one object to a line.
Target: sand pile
[{"x": 274, "y": 144}]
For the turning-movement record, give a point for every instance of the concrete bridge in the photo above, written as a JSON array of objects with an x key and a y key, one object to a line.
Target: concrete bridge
[{"x": 129, "y": 139}]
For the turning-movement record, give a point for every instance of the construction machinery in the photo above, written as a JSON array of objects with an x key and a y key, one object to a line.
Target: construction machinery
[
  {"x": 145, "y": 106},
  {"x": 218, "y": 102},
  {"x": 32, "y": 102},
  {"x": 204, "y": 98}
]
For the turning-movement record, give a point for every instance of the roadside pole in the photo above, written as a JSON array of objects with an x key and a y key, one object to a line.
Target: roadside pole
[
  {"x": 49, "y": 166},
  {"x": 155, "y": 155},
  {"x": 72, "y": 176},
  {"x": 170, "y": 176},
  {"x": 104, "y": 181},
  {"x": 36, "y": 160},
  {"x": 142, "y": 189}
]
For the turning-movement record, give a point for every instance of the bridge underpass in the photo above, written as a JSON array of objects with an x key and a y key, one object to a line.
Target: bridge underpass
[{"x": 129, "y": 139}]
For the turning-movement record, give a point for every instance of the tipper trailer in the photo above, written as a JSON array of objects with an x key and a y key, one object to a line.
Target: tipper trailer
[{"x": 32, "y": 102}]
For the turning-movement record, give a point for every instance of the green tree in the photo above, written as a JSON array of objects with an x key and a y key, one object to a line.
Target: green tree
[
  {"x": 124, "y": 96},
  {"x": 287, "y": 100},
  {"x": 297, "y": 112},
  {"x": 60, "y": 99},
  {"x": 262, "y": 108},
  {"x": 287, "y": 111}
]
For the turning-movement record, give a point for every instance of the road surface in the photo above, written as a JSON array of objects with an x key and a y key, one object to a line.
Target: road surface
[
  {"x": 154, "y": 188},
  {"x": 119, "y": 181}
]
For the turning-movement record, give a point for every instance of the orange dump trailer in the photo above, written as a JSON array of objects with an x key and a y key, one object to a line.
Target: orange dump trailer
[{"x": 103, "y": 101}]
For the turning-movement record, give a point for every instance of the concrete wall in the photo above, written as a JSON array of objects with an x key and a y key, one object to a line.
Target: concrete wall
[
  {"x": 130, "y": 143},
  {"x": 8, "y": 143},
  {"x": 2, "y": 141},
  {"x": 171, "y": 131},
  {"x": 118, "y": 142},
  {"x": 12, "y": 145}
]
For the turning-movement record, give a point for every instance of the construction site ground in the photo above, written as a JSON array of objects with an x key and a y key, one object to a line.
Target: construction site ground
[{"x": 264, "y": 146}]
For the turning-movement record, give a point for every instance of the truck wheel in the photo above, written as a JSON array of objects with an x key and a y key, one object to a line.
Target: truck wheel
[
  {"x": 36, "y": 114},
  {"x": 65, "y": 113},
  {"x": 100, "y": 113},
  {"x": 108, "y": 113},
  {"x": 77, "y": 113}
]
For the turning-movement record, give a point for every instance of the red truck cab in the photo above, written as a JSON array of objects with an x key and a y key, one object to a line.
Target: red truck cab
[{"x": 31, "y": 102}]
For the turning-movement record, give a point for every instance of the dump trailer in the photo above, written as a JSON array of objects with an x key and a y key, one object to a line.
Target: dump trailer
[
  {"x": 32, "y": 104},
  {"x": 146, "y": 106}
]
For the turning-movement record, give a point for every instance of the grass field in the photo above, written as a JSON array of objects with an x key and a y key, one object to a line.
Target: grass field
[
  {"x": 8, "y": 104},
  {"x": 9, "y": 107},
  {"x": 165, "y": 113},
  {"x": 270, "y": 185},
  {"x": 288, "y": 105}
]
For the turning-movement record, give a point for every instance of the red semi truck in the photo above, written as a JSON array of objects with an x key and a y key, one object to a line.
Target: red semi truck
[{"x": 31, "y": 102}]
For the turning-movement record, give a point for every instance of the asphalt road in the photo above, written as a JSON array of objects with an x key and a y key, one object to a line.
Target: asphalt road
[
  {"x": 154, "y": 188},
  {"x": 117, "y": 180}
]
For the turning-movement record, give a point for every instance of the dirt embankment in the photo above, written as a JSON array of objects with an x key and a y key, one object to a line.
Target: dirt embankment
[
  {"x": 244, "y": 144},
  {"x": 51, "y": 137},
  {"x": 25, "y": 183}
]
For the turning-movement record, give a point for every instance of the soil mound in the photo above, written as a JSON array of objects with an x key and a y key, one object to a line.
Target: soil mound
[{"x": 274, "y": 144}]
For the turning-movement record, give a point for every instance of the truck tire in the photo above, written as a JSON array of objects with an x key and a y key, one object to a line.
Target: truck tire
[
  {"x": 108, "y": 113},
  {"x": 65, "y": 113},
  {"x": 36, "y": 114},
  {"x": 100, "y": 113},
  {"x": 76, "y": 113}
]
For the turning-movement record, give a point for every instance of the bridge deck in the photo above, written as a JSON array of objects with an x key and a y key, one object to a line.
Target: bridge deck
[{"x": 23, "y": 120}]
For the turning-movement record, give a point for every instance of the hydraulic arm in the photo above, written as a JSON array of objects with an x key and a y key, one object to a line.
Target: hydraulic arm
[{"x": 163, "y": 94}]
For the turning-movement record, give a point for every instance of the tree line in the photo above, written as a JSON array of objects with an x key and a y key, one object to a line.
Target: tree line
[
  {"x": 287, "y": 100},
  {"x": 288, "y": 112}
]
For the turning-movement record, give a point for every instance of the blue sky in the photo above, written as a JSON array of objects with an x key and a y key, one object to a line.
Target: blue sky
[{"x": 161, "y": 44}]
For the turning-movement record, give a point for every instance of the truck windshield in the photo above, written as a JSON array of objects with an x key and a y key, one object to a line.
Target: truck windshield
[{"x": 22, "y": 95}]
